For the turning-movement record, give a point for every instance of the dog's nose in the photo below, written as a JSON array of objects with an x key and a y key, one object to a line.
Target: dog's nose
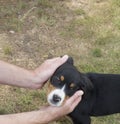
[{"x": 56, "y": 98}]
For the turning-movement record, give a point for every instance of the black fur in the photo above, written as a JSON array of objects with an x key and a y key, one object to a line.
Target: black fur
[{"x": 101, "y": 92}]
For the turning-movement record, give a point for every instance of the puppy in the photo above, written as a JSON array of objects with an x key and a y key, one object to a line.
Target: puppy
[{"x": 101, "y": 92}]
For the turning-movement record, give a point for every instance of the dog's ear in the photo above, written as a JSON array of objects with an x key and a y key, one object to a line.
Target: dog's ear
[
  {"x": 70, "y": 60},
  {"x": 86, "y": 83}
]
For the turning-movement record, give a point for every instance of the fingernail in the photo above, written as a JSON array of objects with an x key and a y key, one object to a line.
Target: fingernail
[
  {"x": 80, "y": 93},
  {"x": 65, "y": 56}
]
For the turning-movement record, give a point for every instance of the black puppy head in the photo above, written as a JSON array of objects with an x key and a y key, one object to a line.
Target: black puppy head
[{"x": 66, "y": 81}]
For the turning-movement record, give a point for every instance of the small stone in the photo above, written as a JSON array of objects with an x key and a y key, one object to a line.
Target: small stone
[{"x": 12, "y": 32}]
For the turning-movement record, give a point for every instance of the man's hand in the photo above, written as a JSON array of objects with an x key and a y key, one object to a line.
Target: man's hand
[
  {"x": 17, "y": 76},
  {"x": 46, "y": 70},
  {"x": 53, "y": 113},
  {"x": 44, "y": 115}
]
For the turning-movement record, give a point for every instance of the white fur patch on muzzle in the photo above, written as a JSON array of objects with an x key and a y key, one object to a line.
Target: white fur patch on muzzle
[{"x": 56, "y": 97}]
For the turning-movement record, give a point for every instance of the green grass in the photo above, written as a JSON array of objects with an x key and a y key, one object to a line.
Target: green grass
[
  {"x": 89, "y": 33},
  {"x": 3, "y": 111},
  {"x": 79, "y": 28},
  {"x": 9, "y": 18},
  {"x": 96, "y": 52},
  {"x": 7, "y": 50},
  {"x": 44, "y": 3}
]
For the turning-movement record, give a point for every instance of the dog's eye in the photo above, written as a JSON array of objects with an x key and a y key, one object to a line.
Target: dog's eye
[{"x": 56, "y": 79}]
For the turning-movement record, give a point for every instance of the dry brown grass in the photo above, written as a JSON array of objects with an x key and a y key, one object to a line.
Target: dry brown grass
[{"x": 89, "y": 31}]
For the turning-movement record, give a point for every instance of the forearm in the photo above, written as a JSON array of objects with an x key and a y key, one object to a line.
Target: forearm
[
  {"x": 44, "y": 115},
  {"x": 16, "y": 76},
  {"x": 34, "y": 117}
]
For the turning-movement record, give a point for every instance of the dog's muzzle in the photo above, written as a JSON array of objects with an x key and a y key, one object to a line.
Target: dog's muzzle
[{"x": 56, "y": 97}]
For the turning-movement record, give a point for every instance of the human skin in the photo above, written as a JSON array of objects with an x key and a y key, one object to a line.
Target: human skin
[
  {"x": 35, "y": 79},
  {"x": 45, "y": 115}
]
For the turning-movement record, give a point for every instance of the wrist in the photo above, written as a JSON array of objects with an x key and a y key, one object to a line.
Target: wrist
[
  {"x": 54, "y": 113},
  {"x": 36, "y": 80}
]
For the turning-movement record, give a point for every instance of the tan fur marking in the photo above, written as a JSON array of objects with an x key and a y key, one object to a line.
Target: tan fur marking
[
  {"x": 62, "y": 78},
  {"x": 50, "y": 88},
  {"x": 72, "y": 85}
]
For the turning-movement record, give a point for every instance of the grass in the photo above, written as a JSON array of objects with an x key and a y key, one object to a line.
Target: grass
[
  {"x": 8, "y": 17},
  {"x": 7, "y": 50},
  {"x": 44, "y": 3},
  {"x": 97, "y": 52},
  {"x": 89, "y": 32}
]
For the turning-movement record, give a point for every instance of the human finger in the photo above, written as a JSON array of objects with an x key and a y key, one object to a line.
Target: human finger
[
  {"x": 60, "y": 60},
  {"x": 73, "y": 101}
]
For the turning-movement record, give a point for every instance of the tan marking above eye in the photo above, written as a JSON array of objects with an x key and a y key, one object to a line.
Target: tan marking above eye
[
  {"x": 72, "y": 85},
  {"x": 62, "y": 78}
]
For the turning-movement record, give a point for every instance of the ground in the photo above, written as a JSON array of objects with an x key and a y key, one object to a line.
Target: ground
[{"x": 33, "y": 31}]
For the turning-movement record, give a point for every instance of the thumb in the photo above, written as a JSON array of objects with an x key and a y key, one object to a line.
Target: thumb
[{"x": 74, "y": 100}]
